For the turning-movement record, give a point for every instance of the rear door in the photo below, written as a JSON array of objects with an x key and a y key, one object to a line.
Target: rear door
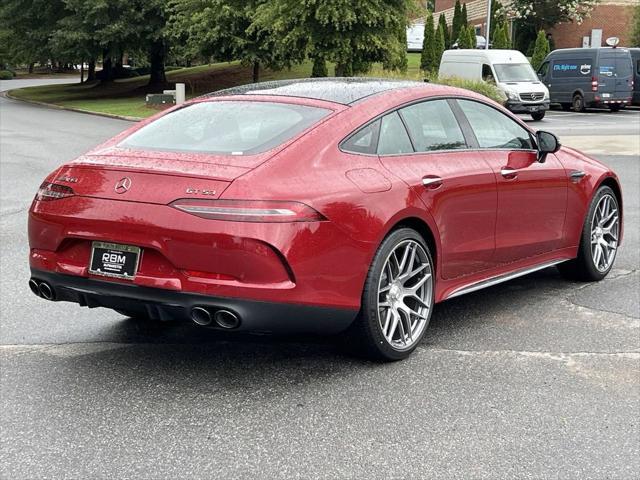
[
  {"x": 456, "y": 184},
  {"x": 532, "y": 196}
]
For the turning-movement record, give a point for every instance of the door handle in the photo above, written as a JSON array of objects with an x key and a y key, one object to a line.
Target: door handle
[
  {"x": 432, "y": 182},
  {"x": 507, "y": 172}
]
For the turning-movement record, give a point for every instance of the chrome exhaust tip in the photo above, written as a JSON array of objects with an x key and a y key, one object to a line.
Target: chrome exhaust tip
[
  {"x": 201, "y": 316},
  {"x": 33, "y": 285},
  {"x": 46, "y": 291},
  {"x": 226, "y": 319}
]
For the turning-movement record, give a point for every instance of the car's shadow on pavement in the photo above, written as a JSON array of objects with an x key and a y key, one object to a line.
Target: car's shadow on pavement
[{"x": 157, "y": 343}]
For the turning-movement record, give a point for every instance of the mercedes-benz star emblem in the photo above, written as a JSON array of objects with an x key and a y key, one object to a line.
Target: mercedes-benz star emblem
[{"x": 123, "y": 185}]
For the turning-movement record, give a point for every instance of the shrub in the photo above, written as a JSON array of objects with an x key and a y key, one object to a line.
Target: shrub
[
  {"x": 6, "y": 75},
  {"x": 478, "y": 86},
  {"x": 540, "y": 50},
  {"x": 427, "y": 59}
]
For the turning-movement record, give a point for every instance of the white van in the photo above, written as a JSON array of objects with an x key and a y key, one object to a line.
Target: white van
[{"x": 508, "y": 69}]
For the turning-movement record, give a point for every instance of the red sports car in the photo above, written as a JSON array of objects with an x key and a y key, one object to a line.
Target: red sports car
[{"x": 319, "y": 206}]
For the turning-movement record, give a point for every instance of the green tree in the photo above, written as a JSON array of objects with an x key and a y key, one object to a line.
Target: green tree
[
  {"x": 540, "y": 50},
  {"x": 464, "y": 21},
  {"x": 501, "y": 36},
  {"x": 28, "y": 26},
  {"x": 456, "y": 24},
  {"x": 467, "y": 37},
  {"x": 635, "y": 28},
  {"x": 351, "y": 34},
  {"x": 427, "y": 59},
  {"x": 438, "y": 45},
  {"x": 445, "y": 29},
  {"x": 224, "y": 30}
]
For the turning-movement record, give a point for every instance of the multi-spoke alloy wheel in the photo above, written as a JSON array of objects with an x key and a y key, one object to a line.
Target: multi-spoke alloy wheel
[
  {"x": 604, "y": 232},
  {"x": 404, "y": 294},
  {"x": 599, "y": 240},
  {"x": 397, "y": 300}
]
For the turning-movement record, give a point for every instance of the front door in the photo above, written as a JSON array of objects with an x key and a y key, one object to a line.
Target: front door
[
  {"x": 457, "y": 186},
  {"x": 532, "y": 196}
]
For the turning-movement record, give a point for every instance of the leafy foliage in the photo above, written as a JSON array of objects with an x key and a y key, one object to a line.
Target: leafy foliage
[
  {"x": 445, "y": 29},
  {"x": 467, "y": 37},
  {"x": 635, "y": 28},
  {"x": 428, "y": 58},
  {"x": 456, "y": 25},
  {"x": 547, "y": 13},
  {"x": 501, "y": 36},
  {"x": 483, "y": 88},
  {"x": 540, "y": 51},
  {"x": 438, "y": 45}
]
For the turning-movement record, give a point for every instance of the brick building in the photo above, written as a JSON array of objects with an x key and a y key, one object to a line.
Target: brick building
[{"x": 611, "y": 18}]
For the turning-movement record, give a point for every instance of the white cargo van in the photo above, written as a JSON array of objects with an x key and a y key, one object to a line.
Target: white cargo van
[{"x": 508, "y": 69}]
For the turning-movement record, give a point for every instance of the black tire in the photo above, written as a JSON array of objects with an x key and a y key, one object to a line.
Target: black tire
[
  {"x": 578, "y": 103},
  {"x": 583, "y": 267},
  {"x": 565, "y": 106},
  {"x": 365, "y": 336},
  {"x": 615, "y": 108},
  {"x": 537, "y": 116}
]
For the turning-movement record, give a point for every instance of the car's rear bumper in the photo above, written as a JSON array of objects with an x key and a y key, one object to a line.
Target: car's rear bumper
[{"x": 160, "y": 304}]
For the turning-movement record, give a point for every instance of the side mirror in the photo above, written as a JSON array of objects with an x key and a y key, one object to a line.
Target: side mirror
[{"x": 547, "y": 143}]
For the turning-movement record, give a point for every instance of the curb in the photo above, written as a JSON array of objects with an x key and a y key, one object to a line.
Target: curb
[{"x": 7, "y": 94}]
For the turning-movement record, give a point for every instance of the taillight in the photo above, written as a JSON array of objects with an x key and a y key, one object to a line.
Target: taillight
[
  {"x": 249, "y": 210},
  {"x": 53, "y": 191},
  {"x": 594, "y": 84}
]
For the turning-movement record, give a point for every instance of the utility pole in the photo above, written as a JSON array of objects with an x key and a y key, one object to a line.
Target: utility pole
[{"x": 488, "y": 32}]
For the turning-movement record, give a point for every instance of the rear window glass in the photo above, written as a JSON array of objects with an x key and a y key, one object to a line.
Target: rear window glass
[{"x": 235, "y": 128}]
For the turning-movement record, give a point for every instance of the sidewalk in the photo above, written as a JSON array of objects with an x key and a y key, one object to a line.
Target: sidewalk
[{"x": 604, "y": 144}]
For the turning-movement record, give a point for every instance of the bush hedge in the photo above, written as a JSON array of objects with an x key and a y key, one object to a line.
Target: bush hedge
[{"x": 6, "y": 75}]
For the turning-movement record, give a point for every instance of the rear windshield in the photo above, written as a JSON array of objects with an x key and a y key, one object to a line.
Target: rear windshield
[
  {"x": 235, "y": 128},
  {"x": 615, "y": 66},
  {"x": 515, "y": 72}
]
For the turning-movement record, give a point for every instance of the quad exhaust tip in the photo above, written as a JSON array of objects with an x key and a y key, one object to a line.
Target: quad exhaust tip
[
  {"x": 33, "y": 285},
  {"x": 222, "y": 318}
]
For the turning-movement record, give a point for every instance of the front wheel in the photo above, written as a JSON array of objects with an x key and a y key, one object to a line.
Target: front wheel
[
  {"x": 397, "y": 299},
  {"x": 599, "y": 240},
  {"x": 537, "y": 116},
  {"x": 578, "y": 103}
]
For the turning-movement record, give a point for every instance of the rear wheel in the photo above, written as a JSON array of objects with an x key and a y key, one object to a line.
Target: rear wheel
[
  {"x": 578, "y": 103},
  {"x": 565, "y": 106},
  {"x": 599, "y": 240},
  {"x": 397, "y": 299},
  {"x": 537, "y": 116}
]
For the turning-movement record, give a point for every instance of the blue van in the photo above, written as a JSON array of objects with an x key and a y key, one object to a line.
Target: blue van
[
  {"x": 635, "y": 57},
  {"x": 588, "y": 77}
]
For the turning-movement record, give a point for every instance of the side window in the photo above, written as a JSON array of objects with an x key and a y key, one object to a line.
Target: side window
[
  {"x": 393, "y": 136},
  {"x": 637, "y": 67},
  {"x": 364, "y": 140},
  {"x": 542, "y": 71},
  {"x": 432, "y": 126},
  {"x": 487, "y": 73},
  {"x": 494, "y": 129}
]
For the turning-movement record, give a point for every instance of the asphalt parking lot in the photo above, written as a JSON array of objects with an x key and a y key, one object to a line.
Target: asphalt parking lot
[{"x": 535, "y": 378}]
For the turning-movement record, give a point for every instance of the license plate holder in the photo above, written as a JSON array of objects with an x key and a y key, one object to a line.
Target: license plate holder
[{"x": 114, "y": 260}]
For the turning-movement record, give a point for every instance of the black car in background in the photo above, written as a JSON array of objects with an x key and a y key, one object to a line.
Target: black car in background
[{"x": 589, "y": 77}]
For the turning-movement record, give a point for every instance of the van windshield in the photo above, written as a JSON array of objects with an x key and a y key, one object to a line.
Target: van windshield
[
  {"x": 226, "y": 127},
  {"x": 515, "y": 72}
]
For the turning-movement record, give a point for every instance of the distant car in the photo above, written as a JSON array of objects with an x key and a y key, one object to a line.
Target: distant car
[
  {"x": 580, "y": 78},
  {"x": 415, "y": 37},
  {"x": 509, "y": 70},
  {"x": 481, "y": 42},
  {"x": 635, "y": 57},
  {"x": 319, "y": 206}
]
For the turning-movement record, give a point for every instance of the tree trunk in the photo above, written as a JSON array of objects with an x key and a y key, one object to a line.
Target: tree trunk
[
  {"x": 107, "y": 67},
  {"x": 91, "y": 73},
  {"x": 319, "y": 68},
  {"x": 82, "y": 71},
  {"x": 157, "y": 52},
  {"x": 256, "y": 71},
  {"x": 31, "y": 68}
]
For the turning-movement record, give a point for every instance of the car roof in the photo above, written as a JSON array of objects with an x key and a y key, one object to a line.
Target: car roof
[
  {"x": 585, "y": 51},
  {"x": 345, "y": 91},
  {"x": 495, "y": 56}
]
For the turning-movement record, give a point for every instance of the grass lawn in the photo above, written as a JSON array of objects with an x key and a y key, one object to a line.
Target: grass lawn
[{"x": 127, "y": 96}]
